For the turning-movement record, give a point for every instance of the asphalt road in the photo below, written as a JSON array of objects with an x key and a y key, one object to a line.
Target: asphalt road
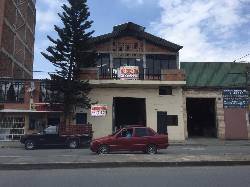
[{"x": 129, "y": 177}]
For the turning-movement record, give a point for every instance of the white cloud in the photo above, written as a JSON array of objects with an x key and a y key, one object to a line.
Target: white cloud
[
  {"x": 47, "y": 14},
  {"x": 132, "y": 3},
  {"x": 206, "y": 28}
]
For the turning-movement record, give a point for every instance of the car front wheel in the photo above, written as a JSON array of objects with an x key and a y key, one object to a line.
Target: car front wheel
[
  {"x": 103, "y": 149},
  {"x": 151, "y": 149},
  {"x": 29, "y": 144}
]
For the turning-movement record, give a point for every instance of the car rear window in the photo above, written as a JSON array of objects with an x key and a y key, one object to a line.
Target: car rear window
[{"x": 139, "y": 132}]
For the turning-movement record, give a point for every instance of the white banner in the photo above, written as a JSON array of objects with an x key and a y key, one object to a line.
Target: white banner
[
  {"x": 129, "y": 72},
  {"x": 99, "y": 110}
]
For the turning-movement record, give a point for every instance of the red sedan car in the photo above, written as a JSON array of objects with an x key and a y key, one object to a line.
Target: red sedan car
[{"x": 131, "y": 139}]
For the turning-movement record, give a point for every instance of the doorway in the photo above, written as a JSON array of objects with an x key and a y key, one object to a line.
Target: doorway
[
  {"x": 128, "y": 111},
  {"x": 201, "y": 117},
  {"x": 162, "y": 123}
]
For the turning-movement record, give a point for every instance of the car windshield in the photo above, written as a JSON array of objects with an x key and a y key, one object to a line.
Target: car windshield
[{"x": 114, "y": 133}]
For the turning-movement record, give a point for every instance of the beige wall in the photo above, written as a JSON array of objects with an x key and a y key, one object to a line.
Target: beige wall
[
  {"x": 173, "y": 105},
  {"x": 217, "y": 95}
]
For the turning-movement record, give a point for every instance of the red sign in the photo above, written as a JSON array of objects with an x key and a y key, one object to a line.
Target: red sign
[
  {"x": 99, "y": 110},
  {"x": 129, "y": 72}
]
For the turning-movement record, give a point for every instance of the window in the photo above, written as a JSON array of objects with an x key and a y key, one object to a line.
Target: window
[
  {"x": 165, "y": 90},
  {"x": 140, "y": 132},
  {"x": 11, "y": 127},
  {"x": 126, "y": 133},
  {"x": 155, "y": 63},
  {"x": 47, "y": 93},
  {"x": 81, "y": 118},
  {"x": 172, "y": 120},
  {"x": 11, "y": 92},
  {"x": 51, "y": 130}
]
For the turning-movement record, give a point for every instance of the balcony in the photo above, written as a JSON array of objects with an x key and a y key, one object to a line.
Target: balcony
[{"x": 112, "y": 77}]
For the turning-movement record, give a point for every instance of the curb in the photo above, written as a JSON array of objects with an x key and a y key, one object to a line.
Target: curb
[{"x": 121, "y": 165}]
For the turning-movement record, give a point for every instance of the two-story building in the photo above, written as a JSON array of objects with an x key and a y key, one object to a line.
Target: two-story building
[
  {"x": 137, "y": 82},
  {"x": 24, "y": 108}
]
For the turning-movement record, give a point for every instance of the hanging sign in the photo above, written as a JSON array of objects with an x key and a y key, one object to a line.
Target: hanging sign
[
  {"x": 129, "y": 72},
  {"x": 99, "y": 110}
]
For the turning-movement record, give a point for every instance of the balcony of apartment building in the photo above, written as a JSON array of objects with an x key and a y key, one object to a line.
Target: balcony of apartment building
[
  {"x": 25, "y": 95},
  {"x": 150, "y": 69}
]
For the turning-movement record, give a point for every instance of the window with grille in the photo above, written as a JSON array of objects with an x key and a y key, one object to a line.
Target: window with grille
[{"x": 11, "y": 127}]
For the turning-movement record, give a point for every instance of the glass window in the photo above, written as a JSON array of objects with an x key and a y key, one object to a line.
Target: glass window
[
  {"x": 116, "y": 63},
  {"x": 172, "y": 120},
  {"x": 172, "y": 64},
  {"x": 81, "y": 118},
  {"x": 126, "y": 133},
  {"x": 140, "y": 132},
  {"x": 157, "y": 62},
  {"x": 165, "y": 90},
  {"x": 51, "y": 130},
  {"x": 11, "y": 92}
]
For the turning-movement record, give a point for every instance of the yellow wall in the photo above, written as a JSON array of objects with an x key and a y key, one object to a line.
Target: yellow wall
[{"x": 172, "y": 104}]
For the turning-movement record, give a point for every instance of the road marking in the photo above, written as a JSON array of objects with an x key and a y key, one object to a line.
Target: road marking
[{"x": 195, "y": 149}]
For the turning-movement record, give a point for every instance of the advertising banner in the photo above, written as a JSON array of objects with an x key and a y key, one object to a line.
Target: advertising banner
[
  {"x": 235, "y": 98},
  {"x": 129, "y": 72},
  {"x": 99, "y": 110}
]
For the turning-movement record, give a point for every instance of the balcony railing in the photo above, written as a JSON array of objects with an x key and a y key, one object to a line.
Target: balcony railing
[{"x": 144, "y": 74}]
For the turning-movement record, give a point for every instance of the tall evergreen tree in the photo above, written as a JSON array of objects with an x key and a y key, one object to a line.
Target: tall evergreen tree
[{"x": 71, "y": 51}]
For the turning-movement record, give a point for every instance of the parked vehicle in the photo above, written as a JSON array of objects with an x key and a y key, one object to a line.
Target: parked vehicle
[
  {"x": 72, "y": 136},
  {"x": 131, "y": 139}
]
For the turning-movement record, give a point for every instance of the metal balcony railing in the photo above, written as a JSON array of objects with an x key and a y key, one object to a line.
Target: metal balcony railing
[{"x": 144, "y": 74}]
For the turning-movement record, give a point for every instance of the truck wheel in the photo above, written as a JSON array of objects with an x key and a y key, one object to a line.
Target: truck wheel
[
  {"x": 29, "y": 145},
  {"x": 103, "y": 149},
  {"x": 151, "y": 149},
  {"x": 73, "y": 144}
]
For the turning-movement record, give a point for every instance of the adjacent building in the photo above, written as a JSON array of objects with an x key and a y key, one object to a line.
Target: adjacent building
[
  {"x": 25, "y": 108},
  {"x": 17, "y": 36},
  {"x": 216, "y": 100}
]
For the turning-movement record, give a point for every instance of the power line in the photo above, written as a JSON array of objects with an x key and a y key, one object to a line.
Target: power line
[{"x": 242, "y": 57}]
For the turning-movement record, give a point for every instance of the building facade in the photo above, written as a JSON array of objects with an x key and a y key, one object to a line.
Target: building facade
[
  {"x": 24, "y": 108},
  {"x": 216, "y": 100},
  {"x": 17, "y": 36},
  {"x": 137, "y": 81}
]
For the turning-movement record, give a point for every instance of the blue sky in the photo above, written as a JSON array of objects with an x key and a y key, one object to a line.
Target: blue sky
[{"x": 209, "y": 30}]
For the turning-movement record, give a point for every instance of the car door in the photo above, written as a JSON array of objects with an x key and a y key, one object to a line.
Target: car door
[
  {"x": 140, "y": 139},
  {"x": 123, "y": 140},
  {"x": 51, "y": 136}
]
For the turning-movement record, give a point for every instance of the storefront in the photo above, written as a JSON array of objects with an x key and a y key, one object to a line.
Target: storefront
[
  {"x": 137, "y": 105},
  {"x": 216, "y": 100},
  {"x": 15, "y": 123}
]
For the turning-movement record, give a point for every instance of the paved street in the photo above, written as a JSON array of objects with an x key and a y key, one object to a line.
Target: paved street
[{"x": 138, "y": 177}]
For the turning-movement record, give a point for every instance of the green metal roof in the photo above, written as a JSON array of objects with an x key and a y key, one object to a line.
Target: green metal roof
[{"x": 215, "y": 74}]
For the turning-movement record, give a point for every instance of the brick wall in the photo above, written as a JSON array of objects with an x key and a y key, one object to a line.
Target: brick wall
[{"x": 17, "y": 32}]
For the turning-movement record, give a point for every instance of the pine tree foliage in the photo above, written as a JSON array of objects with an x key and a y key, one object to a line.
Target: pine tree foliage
[{"x": 71, "y": 51}]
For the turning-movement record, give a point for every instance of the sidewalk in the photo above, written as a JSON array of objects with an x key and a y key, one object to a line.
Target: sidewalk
[
  {"x": 193, "y": 142},
  {"x": 191, "y": 153}
]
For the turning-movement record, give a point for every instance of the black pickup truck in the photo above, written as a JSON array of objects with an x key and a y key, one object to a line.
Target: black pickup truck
[{"x": 53, "y": 136}]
